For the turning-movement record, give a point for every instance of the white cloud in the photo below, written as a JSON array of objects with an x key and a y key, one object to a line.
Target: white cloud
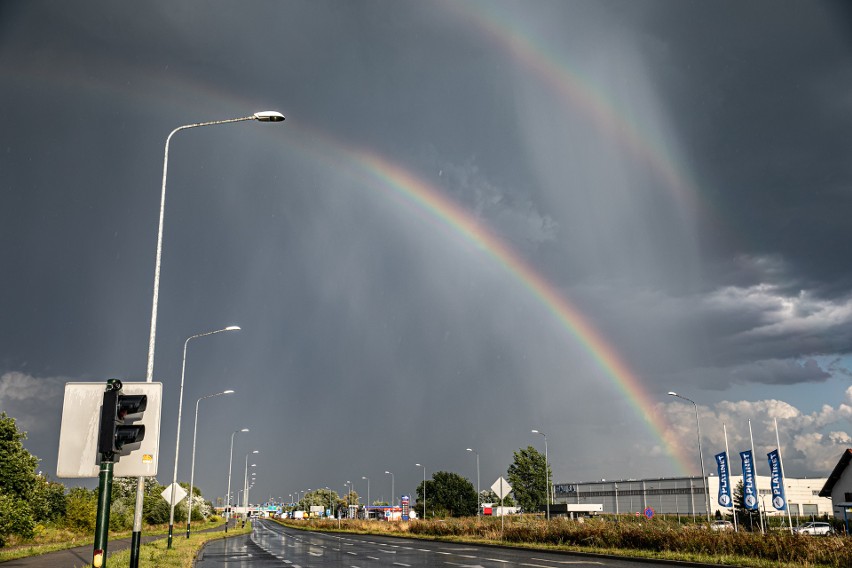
[{"x": 811, "y": 443}]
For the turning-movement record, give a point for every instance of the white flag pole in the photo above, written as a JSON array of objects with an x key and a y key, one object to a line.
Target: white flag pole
[
  {"x": 728, "y": 459},
  {"x": 781, "y": 463},
  {"x": 754, "y": 471}
]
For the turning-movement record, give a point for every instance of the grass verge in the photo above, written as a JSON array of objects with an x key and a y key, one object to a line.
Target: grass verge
[
  {"x": 53, "y": 539},
  {"x": 181, "y": 555},
  {"x": 623, "y": 540}
]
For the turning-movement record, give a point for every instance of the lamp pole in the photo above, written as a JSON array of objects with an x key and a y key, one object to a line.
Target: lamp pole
[
  {"x": 700, "y": 453},
  {"x": 245, "y": 480},
  {"x": 263, "y": 116},
  {"x": 177, "y": 435},
  {"x": 230, "y": 462},
  {"x": 392, "y": 488},
  {"x": 424, "y": 489},
  {"x": 192, "y": 471},
  {"x": 367, "y": 506},
  {"x": 478, "y": 507},
  {"x": 546, "y": 471}
]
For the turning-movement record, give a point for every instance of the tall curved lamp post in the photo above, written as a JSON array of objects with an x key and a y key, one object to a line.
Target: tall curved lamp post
[
  {"x": 546, "y": 471},
  {"x": 424, "y": 489},
  {"x": 177, "y": 436},
  {"x": 262, "y": 116},
  {"x": 700, "y": 453},
  {"x": 230, "y": 462},
  {"x": 478, "y": 507},
  {"x": 192, "y": 471}
]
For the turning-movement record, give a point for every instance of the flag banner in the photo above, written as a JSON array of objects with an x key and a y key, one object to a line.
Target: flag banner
[
  {"x": 749, "y": 489},
  {"x": 724, "y": 481},
  {"x": 776, "y": 481}
]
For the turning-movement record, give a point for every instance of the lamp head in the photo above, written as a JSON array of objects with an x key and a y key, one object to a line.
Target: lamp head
[
  {"x": 233, "y": 328},
  {"x": 469, "y": 449},
  {"x": 269, "y": 116},
  {"x": 245, "y": 430},
  {"x": 672, "y": 393},
  {"x": 535, "y": 431},
  {"x": 229, "y": 391}
]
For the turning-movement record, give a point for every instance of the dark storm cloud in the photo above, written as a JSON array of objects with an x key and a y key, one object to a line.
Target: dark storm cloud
[{"x": 374, "y": 333}]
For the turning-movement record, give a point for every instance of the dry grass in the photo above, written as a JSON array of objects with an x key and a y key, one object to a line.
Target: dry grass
[{"x": 642, "y": 539}]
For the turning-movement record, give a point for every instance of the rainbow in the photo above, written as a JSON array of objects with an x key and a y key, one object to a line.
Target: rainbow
[
  {"x": 375, "y": 169},
  {"x": 581, "y": 93},
  {"x": 378, "y": 172}
]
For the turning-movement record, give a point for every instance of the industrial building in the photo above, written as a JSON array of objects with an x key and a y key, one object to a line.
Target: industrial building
[{"x": 686, "y": 495}]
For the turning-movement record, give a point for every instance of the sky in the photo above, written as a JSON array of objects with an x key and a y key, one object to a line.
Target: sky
[{"x": 478, "y": 219}]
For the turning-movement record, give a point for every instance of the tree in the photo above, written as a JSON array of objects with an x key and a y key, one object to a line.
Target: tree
[
  {"x": 447, "y": 494},
  {"x": 18, "y": 480},
  {"x": 17, "y": 466},
  {"x": 746, "y": 518},
  {"x": 49, "y": 502},
  {"x": 528, "y": 480}
]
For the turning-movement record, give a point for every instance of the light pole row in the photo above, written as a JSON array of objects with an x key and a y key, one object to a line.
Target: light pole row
[{"x": 136, "y": 536}]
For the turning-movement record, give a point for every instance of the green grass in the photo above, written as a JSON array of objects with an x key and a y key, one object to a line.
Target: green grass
[
  {"x": 51, "y": 539},
  {"x": 624, "y": 539},
  {"x": 181, "y": 555}
]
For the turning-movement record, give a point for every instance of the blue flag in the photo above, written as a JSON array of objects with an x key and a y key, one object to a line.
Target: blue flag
[
  {"x": 749, "y": 489},
  {"x": 776, "y": 481},
  {"x": 724, "y": 481}
]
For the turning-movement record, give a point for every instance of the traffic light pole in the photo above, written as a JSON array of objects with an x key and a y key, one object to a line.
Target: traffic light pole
[{"x": 102, "y": 522}]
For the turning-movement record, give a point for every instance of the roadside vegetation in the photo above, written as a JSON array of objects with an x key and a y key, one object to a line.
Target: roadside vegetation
[
  {"x": 181, "y": 555},
  {"x": 38, "y": 515},
  {"x": 630, "y": 537}
]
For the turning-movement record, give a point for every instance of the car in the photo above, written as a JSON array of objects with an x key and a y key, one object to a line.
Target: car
[
  {"x": 722, "y": 526},
  {"x": 814, "y": 528}
]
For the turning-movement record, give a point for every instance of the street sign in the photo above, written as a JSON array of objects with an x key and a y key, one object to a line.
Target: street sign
[
  {"x": 80, "y": 426},
  {"x": 501, "y": 488},
  {"x": 180, "y": 493},
  {"x": 649, "y": 512}
]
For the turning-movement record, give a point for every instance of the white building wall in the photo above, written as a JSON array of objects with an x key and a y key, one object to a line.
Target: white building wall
[
  {"x": 685, "y": 496},
  {"x": 842, "y": 492}
]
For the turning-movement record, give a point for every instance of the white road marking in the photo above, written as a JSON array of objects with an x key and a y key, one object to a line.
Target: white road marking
[
  {"x": 401, "y": 564},
  {"x": 352, "y": 553},
  {"x": 568, "y": 561},
  {"x": 499, "y": 560},
  {"x": 372, "y": 558}
]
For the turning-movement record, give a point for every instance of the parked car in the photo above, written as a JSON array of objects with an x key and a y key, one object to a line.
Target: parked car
[
  {"x": 722, "y": 526},
  {"x": 814, "y": 528}
]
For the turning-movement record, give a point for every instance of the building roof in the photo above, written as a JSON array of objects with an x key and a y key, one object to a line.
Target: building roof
[{"x": 836, "y": 474}]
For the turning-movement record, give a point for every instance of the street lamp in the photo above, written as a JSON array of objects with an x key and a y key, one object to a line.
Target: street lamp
[
  {"x": 245, "y": 477},
  {"x": 700, "y": 454},
  {"x": 262, "y": 116},
  {"x": 177, "y": 436},
  {"x": 230, "y": 462},
  {"x": 546, "y": 471},
  {"x": 367, "y": 507},
  {"x": 477, "y": 480},
  {"x": 424, "y": 489},
  {"x": 392, "y": 489},
  {"x": 192, "y": 474}
]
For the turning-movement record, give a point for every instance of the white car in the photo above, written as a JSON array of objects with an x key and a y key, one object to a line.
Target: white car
[
  {"x": 814, "y": 528},
  {"x": 722, "y": 526}
]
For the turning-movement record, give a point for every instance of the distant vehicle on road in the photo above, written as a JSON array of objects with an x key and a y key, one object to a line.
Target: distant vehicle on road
[
  {"x": 722, "y": 526},
  {"x": 814, "y": 528}
]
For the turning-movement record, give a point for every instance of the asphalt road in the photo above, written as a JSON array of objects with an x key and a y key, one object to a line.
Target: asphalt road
[{"x": 271, "y": 544}]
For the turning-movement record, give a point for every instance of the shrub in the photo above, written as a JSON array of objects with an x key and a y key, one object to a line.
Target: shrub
[{"x": 15, "y": 518}]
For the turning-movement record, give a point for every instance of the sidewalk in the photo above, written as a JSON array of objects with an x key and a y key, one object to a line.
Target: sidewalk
[{"x": 82, "y": 555}]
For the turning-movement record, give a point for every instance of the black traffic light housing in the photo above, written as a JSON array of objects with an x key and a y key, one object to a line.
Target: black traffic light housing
[{"x": 118, "y": 409}]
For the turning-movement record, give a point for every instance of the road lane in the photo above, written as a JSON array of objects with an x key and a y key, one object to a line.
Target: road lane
[{"x": 271, "y": 544}]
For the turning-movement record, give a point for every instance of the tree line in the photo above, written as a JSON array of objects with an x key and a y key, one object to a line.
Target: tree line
[{"x": 29, "y": 499}]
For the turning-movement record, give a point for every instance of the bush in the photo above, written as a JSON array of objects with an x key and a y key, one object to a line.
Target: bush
[
  {"x": 15, "y": 518},
  {"x": 81, "y": 509}
]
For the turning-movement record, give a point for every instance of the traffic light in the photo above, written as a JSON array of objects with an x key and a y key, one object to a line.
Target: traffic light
[{"x": 118, "y": 409}]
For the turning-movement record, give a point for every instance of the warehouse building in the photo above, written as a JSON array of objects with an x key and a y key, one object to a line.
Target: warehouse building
[{"x": 686, "y": 495}]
